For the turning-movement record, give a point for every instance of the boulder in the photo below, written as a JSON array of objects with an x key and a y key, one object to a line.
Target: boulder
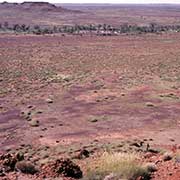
[{"x": 26, "y": 167}]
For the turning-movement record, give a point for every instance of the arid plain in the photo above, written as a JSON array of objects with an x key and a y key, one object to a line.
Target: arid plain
[{"x": 61, "y": 95}]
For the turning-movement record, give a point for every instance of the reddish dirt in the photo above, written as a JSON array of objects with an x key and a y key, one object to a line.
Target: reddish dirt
[
  {"x": 102, "y": 88},
  {"x": 169, "y": 170}
]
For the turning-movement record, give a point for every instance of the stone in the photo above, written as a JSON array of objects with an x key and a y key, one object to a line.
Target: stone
[
  {"x": 151, "y": 167},
  {"x": 82, "y": 154},
  {"x": 111, "y": 176},
  {"x": 135, "y": 144},
  {"x": 167, "y": 156},
  {"x": 50, "y": 101},
  {"x": 149, "y": 104},
  {"x": 2, "y": 174},
  {"x": 177, "y": 159},
  {"x": 8, "y": 162},
  {"x": 34, "y": 123},
  {"x": 19, "y": 156},
  {"x": 26, "y": 167}
]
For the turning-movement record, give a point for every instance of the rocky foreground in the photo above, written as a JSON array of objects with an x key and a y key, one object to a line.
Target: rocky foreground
[{"x": 154, "y": 163}]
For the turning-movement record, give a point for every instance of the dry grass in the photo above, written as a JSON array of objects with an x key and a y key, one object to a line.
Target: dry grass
[{"x": 122, "y": 165}]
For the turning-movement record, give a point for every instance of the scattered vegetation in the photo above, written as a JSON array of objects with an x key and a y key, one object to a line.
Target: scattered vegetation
[
  {"x": 122, "y": 165},
  {"x": 100, "y": 29}
]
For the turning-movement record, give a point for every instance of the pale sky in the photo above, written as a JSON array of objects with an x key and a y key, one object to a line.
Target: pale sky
[{"x": 102, "y": 1}]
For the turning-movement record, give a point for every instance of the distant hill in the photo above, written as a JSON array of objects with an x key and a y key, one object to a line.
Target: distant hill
[
  {"x": 37, "y": 13},
  {"x": 47, "y": 14},
  {"x": 35, "y": 6}
]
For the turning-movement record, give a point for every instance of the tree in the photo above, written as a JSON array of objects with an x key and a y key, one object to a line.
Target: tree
[
  {"x": 16, "y": 27},
  {"x": 6, "y": 25}
]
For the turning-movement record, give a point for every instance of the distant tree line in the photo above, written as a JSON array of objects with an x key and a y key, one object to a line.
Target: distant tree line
[{"x": 100, "y": 29}]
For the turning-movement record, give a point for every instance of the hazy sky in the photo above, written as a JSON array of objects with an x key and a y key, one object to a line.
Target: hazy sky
[{"x": 101, "y": 1}]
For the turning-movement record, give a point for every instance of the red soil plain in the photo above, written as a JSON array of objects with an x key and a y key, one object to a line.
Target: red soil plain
[{"x": 61, "y": 94}]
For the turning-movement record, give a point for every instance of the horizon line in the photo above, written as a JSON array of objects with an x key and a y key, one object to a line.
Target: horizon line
[{"x": 130, "y": 3}]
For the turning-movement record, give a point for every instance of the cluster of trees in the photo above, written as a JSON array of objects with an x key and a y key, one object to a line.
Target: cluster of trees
[
  {"x": 151, "y": 28},
  {"x": 16, "y": 27},
  {"x": 101, "y": 29},
  {"x": 23, "y": 28}
]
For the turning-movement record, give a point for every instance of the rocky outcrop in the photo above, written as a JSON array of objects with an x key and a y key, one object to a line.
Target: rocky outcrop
[{"x": 63, "y": 167}]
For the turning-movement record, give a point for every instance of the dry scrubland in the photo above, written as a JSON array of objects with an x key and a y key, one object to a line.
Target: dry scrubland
[
  {"x": 91, "y": 107},
  {"x": 62, "y": 95},
  {"x": 93, "y": 14},
  {"x": 131, "y": 14}
]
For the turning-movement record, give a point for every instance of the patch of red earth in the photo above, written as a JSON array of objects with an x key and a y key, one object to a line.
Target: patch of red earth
[
  {"x": 166, "y": 170},
  {"x": 10, "y": 122},
  {"x": 73, "y": 110}
]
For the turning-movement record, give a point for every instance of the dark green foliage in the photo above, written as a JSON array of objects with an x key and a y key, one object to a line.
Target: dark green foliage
[{"x": 100, "y": 29}]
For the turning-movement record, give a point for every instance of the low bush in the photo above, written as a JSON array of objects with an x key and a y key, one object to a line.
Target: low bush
[{"x": 122, "y": 165}]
